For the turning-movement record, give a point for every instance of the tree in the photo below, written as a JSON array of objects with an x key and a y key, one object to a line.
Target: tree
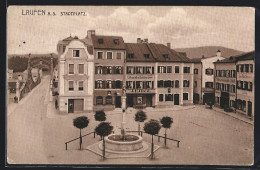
[
  {"x": 166, "y": 123},
  {"x": 100, "y": 116},
  {"x": 80, "y": 123},
  {"x": 152, "y": 127},
  {"x": 103, "y": 129},
  {"x": 140, "y": 116}
]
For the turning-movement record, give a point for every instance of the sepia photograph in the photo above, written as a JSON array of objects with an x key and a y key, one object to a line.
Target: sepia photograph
[{"x": 135, "y": 85}]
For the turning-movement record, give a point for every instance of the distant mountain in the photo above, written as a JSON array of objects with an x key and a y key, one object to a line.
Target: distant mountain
[
  {"x": 208, "y": 51},
  {"x": 33, "y": 55}
]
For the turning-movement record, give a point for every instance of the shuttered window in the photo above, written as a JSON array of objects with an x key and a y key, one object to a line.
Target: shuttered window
[{"x": 81, "y": 68}]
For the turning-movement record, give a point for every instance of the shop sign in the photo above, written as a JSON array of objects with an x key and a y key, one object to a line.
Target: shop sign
[
  {"x": 231, "y": 80},
  {"x": 139, "y": 77},
  {"x": 140, "y": 91}
]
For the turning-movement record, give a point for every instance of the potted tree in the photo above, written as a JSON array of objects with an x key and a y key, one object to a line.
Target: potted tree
[
  {"x": 140, "y": 116},
  {"x": 152, "y": 127},
  {"x": 166, "y": 123},
  {"x": 103, "y": 129},
  {"x": 81, "y": 123}
]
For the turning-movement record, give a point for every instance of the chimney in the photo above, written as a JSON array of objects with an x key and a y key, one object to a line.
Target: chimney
[
  {"x": 139, "y": 40},
  {"x": 90, "y": 32},
  {"x": 146, "y": 40},
  {"x": 218, "y": 53},
  {"x": 169, "y": 45}
]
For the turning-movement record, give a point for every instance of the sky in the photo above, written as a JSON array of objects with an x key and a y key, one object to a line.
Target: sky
[{"x": 183, "y": 27}]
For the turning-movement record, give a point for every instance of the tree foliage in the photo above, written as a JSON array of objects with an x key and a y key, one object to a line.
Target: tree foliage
[
  {"x": 166, "y": 122},
  {"x": 81, "y": 122},
  {"x": 104, "y": 129},
  {"x": 17, "y": 63},
  {"x": 100, "y": 116},
  {"x": 140, "y": 116},
  {"x": 152, "y": 127}
]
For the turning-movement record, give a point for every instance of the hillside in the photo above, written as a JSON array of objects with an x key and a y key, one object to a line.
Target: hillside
[
  {"x": 208, "y": 51},
  {"x": 33, "y": 55}
]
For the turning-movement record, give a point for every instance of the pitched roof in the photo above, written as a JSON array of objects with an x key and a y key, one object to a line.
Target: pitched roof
[
  {"x": 196, "y": 60},
  {"x": 107, "y": 42},
  {"x": 156, "y": 52},
  {"x": 240, "y": 57}
]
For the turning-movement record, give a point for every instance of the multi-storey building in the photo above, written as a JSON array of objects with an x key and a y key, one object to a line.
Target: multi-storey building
[
  {"x": 225, "y": 82},
  {"x": 157, "y": 76},
  {"x": 246, "y": 84},
  {"x": 234, "y": 81},
  {"x": 76, "y": 75},
  {"x": 197, "y": 80},
  {"x": 109, "y": 58}
]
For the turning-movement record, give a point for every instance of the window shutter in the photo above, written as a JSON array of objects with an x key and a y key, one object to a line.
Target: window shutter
[
  {"x": 122, "y": 70},
  {"x": 144, "y": 70},
  {"x": 158, "y": 70},
  {"x": 144, "y": 84},
  {"x": 104, "y": 70},
  {"x": 152, "y": 70},
  {"x": 172, "y": 85},
  {"x": 95, "y": 84},
  {"x": 113, "y": 84},
  {"x": 113, "y": 70},
  {"x": 188, "y": 83},
  {"x": 152, "y": 85},
  {"x": 164, "y": 69},
  {"x": 133, "y": 84},
  {"x": 96, "y": 68}
]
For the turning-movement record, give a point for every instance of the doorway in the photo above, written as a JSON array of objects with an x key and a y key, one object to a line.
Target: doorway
[
  {"x": 71, "y": 106},
  {"x": 176, "y": 99},
  {"x": 249, "y": 110},
  {"x": 149, "y": 100},
  {"x": 118, "y": 101},
  {"x": 224, "y": 100},
  {"x": 130, "y": 101}
]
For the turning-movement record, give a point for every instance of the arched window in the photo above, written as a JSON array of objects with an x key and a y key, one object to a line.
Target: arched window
[
  {"x": 108, "y": 99},
  {"x": 99, "y": 100},
  {"x": 176, "y": 83}
]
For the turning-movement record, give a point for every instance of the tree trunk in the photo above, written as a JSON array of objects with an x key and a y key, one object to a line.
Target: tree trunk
[
  {"x": 139, "y": 128},
  {"x": 80, "y": 139},
  {"x": 103, "y": 148},
  {"x": 152, "y": 148},
  {"x": 165, "y": 135}
]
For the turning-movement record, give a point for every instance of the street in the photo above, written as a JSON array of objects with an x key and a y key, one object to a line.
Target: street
[{"x": 207, "y": 136}]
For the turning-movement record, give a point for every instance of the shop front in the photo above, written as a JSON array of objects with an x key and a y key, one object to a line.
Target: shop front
[{"x": 140, "y": 98}]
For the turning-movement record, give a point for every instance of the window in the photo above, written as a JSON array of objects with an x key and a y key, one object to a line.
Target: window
[
  {"x": 186, "y": 69},
  {"x": 247, "y": 68},
  {"x": 109, "y": 84},
  {"x": 185, "y": 96},
  {"x": 108, "y": 99},
  {"x": 109, "y": 69},
  {"x": 130, "y": 70},
  {"x": 129, "y": 84},
  {"x": 160, "y": 83},
  {"x": 71, "y": 68},
  {"x": 139, "y": 70},
  {"x": 217, "y": 100},
  {"x": 167, "y": 83},
  {"x": 130, "y": 55},
  {"x": 165, "y": 55},
  {"x": 209, "y": 84},
  {"x": 100, "y": 41},
  {"x": 71, "y": 86},
  {"x": 138, "y": 84},
  {"x": 109, "y": 55},
  {"x": 118, "y": 70},
  {"x": 99, "y": 100},
  {"x": 196, "y": 71},
  {"x": 238, "y": 68},
  {"x": 169, "y": 69},
  {"x": 251, "y": 68},
  {"x": 168, "y": 97},
  {"x": 81, "y": 86},
  {"x": 176, "y": 83},
  {"x": 195, "y": 84},
  {"x": 234, "y": 73},
  {"x": 148, "y": 70},
  {"x": 228, "y": 87},
  {"x": 148, "y": 84},
  {"x": 245, "y": 85},
  {"x": 160, "y": 97},
  {"x": 241, "y": 84},
  {"x": 242, "y": 67},
  {"x": 99, "y": 84},
  {"x": 209, "y": 71},
  {"x": 233, "y": 88},
  {"x": 116, "y": 41},
  {"x": 118, "y": 56},
  {"x": 177, "y": 69},
  {"x": 81, "y": 68},
  {"x": 222, "y": 86},
  {"x": 250, "y": 86},
  {"x": 75, "y": 53},
  {"x": 99, "y": 69},
  {"x": 118, "y": 84},
  {"x": 146, "y": 55},
  {"x": 186, "y": 83},
  {"x": 100, "y": 55},
  {"x": 161, "y": 69}
]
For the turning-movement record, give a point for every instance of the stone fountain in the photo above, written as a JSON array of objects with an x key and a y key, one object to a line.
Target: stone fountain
[{"x": 124, "y": 143}]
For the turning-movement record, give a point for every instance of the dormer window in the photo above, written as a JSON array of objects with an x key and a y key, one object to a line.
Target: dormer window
[
  {"x": 100, "y": 41},
  {"x": 116, "y": 41},
  {"x": 131, "y": 55},
  {"x": 166, "y": 55},
  {"x": 146, "y": 55},
  {"x": 75, "y": 53}
]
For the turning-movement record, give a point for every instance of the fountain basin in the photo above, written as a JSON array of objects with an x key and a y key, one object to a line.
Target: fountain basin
[{"x": 132, "y": 143}]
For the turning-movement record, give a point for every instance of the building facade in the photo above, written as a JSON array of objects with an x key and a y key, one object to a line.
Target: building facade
[
  {"x": 197, "y": 81},
  {"x": 76, "y": 75}
]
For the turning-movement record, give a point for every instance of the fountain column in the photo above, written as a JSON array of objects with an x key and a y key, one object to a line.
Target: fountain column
[{"x": 123, "y": 97}]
